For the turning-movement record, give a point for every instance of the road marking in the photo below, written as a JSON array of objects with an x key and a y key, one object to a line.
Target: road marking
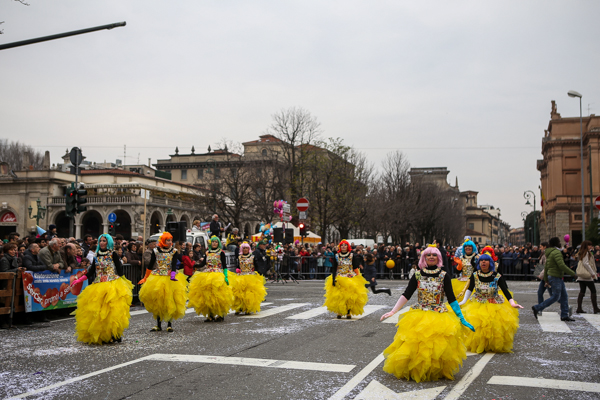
[
  {"x": 395, "y": 318},
  {"x": 469, "y": 377},
  {"x": 310, "y": 313},
  {"x": 254, "y": 362},
  {"x": 550, "y": 322},
  {"x": 73, "y": 380},
  {"x": 376, "y": 390},
  {"x": 266, "y": 303},
  {"x": 594, "y": 320},
  {"x": 545, "y": 383},
  {"x": 140, "y": 312},
  {"x": 351, "y": 384},
  {"x": 369, "y": 309},
  {"x": 276, "y": 310}
]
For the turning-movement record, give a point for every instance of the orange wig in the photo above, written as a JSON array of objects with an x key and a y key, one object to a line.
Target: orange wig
[{"x": 162, "y": 242}]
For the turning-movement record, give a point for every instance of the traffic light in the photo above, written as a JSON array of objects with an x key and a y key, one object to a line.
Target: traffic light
[
  {"x": 302, "y": 229},
  {"x": 112, "y": 228},
  {"x": 80, "y": 199},
  {"x": 70, "y": 205}
]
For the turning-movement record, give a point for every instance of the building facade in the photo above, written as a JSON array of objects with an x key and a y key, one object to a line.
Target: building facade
[{"x": 560, "y": 175}]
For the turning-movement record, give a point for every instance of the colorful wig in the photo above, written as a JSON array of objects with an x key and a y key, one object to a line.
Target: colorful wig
[
  {"x": 162, "y": 241},
  {"x": 346, "y": 243},
  {"x": 430, "y": 250},
  {"x": 216, "y": 239},
  {"x": 245, "y": 246},
  {"x": 110, "y": 244},
  {"x": 469, "y": 243},
  {"x": 489, "y": 250},
  {"x": 486, "y": 256}
]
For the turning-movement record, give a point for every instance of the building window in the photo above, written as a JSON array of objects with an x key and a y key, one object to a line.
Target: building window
[
  {"x": 471, "y": 226},
  {"x": 200, "y": 173},
  {"x": 577, "y": 217},
  {"x": 183, "y": 174},
  {"x": 217, "y": 173},
  {"x": 264, "y": 152}
]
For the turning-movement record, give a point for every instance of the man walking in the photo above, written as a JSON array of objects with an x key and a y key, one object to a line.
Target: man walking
[{"x": 553, "y": 276}]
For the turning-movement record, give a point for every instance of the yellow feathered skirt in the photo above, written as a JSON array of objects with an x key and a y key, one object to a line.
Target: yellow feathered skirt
[
  {"x": 495, "y": 326},
  {"x": 103, "y": 311},
  {"x": 428, "y": 346},
  {"x": 457, "y": 288},
  {"x": 248, "y": 292},
  {"x": 348, "y": 296},
  {"x": 210, "y": 295},
  {"x": 165, "y": 298}
]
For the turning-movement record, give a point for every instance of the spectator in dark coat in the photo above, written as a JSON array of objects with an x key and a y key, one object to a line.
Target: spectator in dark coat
[
  {"x": 215, "y": 227},
  {"x": 132, "y": 255},
  {"x": 31, "y": 262},
  {"x": 262, "y": 263}
]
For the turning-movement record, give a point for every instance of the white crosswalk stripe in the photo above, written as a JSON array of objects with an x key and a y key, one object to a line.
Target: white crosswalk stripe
[
  {"x": 310, "y": 313},
  {"x": 276, "y": 310},
  {"x": 550, "y": 322},
  {"x": 594, "y": 320},
  {"x": 369, "y": 309}
]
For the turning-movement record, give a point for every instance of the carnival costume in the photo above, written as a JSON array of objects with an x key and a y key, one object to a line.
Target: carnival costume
[
  {"x": 345, "y": 291},
  {"x": 466, "y": 265},
  {"x": 210, "y": 292},
  {"x": 429, "y": 342},
  {"x": 103, "y": 307},
  {"x": 495, "y": 317},
  {"x": 164, "y": 290},
  {"x": 248, "y": 286}
]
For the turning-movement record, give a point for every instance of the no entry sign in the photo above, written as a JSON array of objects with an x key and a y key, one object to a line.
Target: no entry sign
[
  {"x": 302, "y": 204},
  {"x": 597, "y": 202}
]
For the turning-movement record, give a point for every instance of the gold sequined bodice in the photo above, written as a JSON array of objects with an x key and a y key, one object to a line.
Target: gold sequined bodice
[
  {"x": 430, "y": 292},
  {"x": 467, "y": 267},
  {"x": 345, "y": 266},
  {"x": 163, "y": 262},
  {"x": 213, "y": 262},
  {"x": 487, "y": 291},
  {"x": 246, "y": 264},
  {"x": 105, "y": 268}
]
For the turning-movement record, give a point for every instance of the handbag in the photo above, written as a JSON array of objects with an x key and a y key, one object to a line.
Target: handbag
[
  {"x": 539, "y": 269},
  {"x": 582, "y": 271}
]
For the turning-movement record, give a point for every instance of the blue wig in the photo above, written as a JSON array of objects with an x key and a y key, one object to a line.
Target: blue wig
[
  {"x": 110, "y": 245},
  {"x": 489, "y": 258},
  {"x": 469, "y": 243}
]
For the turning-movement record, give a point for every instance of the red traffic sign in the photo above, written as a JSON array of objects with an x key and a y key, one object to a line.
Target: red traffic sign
[
  {"x": 302, "y": 204},
  {"x": 597, "y": 202}
]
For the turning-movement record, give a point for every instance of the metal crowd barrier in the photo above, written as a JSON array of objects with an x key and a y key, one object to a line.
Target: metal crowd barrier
[{"x": 134, "y": 274}]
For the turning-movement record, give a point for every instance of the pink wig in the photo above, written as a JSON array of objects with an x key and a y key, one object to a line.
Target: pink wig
[
  {"x": 430, "y": 250},
  {"x": 245, "y": 245}
]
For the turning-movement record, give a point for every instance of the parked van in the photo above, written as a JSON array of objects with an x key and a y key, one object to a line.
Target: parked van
[
  {"x": 193, "y": 237},
  {"x": 365, "y": 242}
]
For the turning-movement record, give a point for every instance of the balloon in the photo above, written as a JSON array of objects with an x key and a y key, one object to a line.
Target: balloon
[
  {"x": 275, "y": 204},
  {"x": 390, "y": 264},
  {"x": 567, "y": 238}
]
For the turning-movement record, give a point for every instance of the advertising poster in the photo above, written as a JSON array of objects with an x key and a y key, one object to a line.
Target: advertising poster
[{"x": 48, "y": 290}]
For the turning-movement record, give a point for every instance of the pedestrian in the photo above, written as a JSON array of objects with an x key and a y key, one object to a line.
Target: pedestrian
[
  {"x": 164, "y": 291},
  {"x": 540, "y": 275},
  {"x": 327, "y": 262},
  {"x": 370, "y": 274},
  {"x": 132, "y": 255},
  {"x": 586, "y": 274},
  {"x": 210, "y": 292},
  {"x": 554, "y": 271},
  {"x": 429, "y": 343},
  {"x": 345, "y": 291},
  {"x": 102, "y": 313}
]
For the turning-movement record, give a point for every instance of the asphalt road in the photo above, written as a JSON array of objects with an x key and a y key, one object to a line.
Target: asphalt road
[{"x": 309, "y": 356}]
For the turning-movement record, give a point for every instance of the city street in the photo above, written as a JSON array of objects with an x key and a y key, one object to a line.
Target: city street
[{"x": 294, "y": 349}]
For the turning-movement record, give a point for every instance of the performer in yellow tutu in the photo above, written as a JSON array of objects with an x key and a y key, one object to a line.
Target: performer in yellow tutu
[
  {"x": 495, "y": 319},
  {"x": 103, "y": 307},
  {"x": 164, "y": 291},
  {"x": 248, "y": 286},
  {"x": 210, "y": 293},
  {"x": 429, "y": 342},
  {"x": 466, "y": 266},
  {"x": 345, "y": 291}
]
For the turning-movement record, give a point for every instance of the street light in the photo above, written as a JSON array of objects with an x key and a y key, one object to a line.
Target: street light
[
  {"x": 527, "y": 195},
  {"x": 573, "y": 93},
  {"x": 40, "y": 212}
]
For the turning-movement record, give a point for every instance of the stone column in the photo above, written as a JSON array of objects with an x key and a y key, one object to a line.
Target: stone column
[
  {"x": 105, "y": 227},
  {"x": 78, "y": 231}
]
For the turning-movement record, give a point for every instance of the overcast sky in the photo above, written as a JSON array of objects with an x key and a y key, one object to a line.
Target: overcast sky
[{"x": 465, "y": 85}]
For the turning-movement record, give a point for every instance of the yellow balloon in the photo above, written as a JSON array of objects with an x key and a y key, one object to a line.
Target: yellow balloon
[{"x": 390, "y": 264}]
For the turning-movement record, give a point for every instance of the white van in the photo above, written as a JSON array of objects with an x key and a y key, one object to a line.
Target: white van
[
  {"x": 193, "y": 237},
  {"x": 365, "y": 242}
]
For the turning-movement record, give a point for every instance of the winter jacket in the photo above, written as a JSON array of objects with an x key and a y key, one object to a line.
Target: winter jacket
[
  {"x": 9, "y": 263},
  {"x": 32, "y": 262},
  {"x": 49, "y": 258},
  {"x": 555, "y": 265}
]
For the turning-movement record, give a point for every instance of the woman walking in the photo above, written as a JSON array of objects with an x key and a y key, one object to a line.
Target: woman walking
[{"x": 586, "y": 273}]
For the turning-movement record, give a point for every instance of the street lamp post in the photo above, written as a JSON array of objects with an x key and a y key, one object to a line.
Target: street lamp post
[
  {"x": 527, "y": 195},
  {"x": 573, "y": 93},
  {"x": 40, "y": 212}
]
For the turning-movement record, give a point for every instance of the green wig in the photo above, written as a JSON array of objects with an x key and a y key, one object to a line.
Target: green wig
[{"x": 216, "y": 239}]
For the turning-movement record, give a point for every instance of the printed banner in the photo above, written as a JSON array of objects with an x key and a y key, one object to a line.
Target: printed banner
[{"x": 48, "y": 290}]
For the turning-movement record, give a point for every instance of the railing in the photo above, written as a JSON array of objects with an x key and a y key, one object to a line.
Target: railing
[
  {"x": 11, "y": 293},
  {"x": 60, "y": 200},
  {"x": 134, "y": 274}
]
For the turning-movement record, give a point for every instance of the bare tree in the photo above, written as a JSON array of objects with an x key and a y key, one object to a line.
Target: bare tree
[
  {"x": 18, "y": 1},
  {"x": 12, "y": 153}
]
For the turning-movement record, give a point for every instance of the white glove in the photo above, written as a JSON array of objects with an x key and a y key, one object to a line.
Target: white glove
[{"x": 466, "y": 298}]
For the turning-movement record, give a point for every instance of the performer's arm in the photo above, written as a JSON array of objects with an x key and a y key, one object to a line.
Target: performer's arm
[{"x": 117, "y": 262}]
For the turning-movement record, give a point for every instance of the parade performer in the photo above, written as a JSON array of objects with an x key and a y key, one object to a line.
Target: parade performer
[
  {"x": 210, "y": 293},
  {"x": 466, "y": 265},
  {"x": 248, "y": 286},
  {"x": 429, "y": 342},
  {"x": 495, "y": 323},
  {"x": 164, "y": 290},
  {"x": 345, "y": 291},
  {"x": 103, "y": 307}
]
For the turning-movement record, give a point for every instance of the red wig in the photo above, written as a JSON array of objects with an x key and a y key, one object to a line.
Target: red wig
[
  {"x": 162, "y": 242},
  {"x": 346, "y": 243},
  {"x": 490, "y": 251}
]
